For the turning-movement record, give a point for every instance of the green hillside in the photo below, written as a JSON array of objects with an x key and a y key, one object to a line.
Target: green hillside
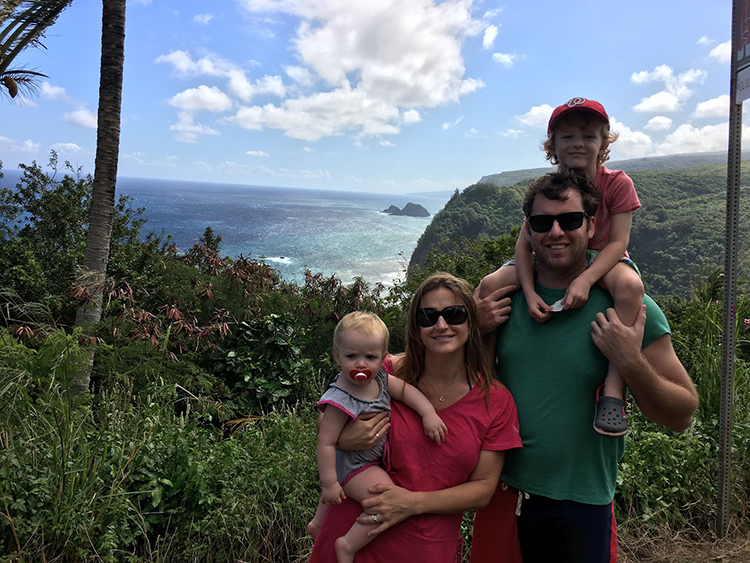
[{"x": 678, "y": 231}]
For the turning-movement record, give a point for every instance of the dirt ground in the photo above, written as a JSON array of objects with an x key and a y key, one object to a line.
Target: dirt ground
[{"x": 733, "y": 549}]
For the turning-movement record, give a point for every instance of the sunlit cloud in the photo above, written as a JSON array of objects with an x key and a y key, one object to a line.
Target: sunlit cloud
[
  {"x": 204, "y": 19},
  {"x": 659, "y": 123},
  {"x": 715, "y": 108},
  {"x": 537, "y": 116},
  {"x": 82, "y": 117}
]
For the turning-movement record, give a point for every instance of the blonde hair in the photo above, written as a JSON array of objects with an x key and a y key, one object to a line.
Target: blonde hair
[
  {"x": 362, "y": 322},
  {"x": 478, "y": 367},
  {"x": 580, "y": 119}
]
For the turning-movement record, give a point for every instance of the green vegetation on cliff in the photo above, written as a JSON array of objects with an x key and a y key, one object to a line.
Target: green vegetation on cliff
[{"x": 678, "y": 231}]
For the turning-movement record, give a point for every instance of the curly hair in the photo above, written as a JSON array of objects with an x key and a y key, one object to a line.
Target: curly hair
[
  {"x": 556, "y": 185},
  {"x": 580, "y": 119},
  {"x": 478, "y": 367}
]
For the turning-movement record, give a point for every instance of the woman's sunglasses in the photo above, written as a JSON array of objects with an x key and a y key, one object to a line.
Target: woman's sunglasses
[
  {"x": 453, "y": 315},
  {"x": 567, "y": 221}
]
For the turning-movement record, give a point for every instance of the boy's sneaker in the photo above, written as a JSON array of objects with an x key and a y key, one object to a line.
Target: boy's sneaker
[{"x": 610, "y": 419}]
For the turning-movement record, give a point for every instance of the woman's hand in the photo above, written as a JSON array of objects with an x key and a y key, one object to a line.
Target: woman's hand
[
  {"x": 390, "y": 506},
  {"x": 364, "y": 432}
]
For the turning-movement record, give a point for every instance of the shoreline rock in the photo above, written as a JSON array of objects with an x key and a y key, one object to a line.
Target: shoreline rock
[{"x": 409, "y": 210}]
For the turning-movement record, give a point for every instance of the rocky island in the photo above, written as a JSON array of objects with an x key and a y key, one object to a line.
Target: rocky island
[{"x": 410, "y": 210}]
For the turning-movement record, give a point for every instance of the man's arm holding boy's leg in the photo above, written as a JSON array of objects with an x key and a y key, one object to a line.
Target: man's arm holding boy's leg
[{"x": 655, "y": 376}]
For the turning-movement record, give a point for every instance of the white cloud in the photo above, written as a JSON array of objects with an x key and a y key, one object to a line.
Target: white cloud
[
  {"x": 488, "y": 41},
  {"x": 716, "y": 107},
  {"x": 353, "y": 179},
  {"x": 512, "y": 133},
  {"x": 385, "y": 143},
  {"x": 451, "y": 124},
  {"x": 308, "y": 149},
  {"x": 688, "y": 139},
  {"x": 659, "y": 102},
  {"x": 504, "y": 59},
  {"x": 704, "y": 41},
  {"x": 410, "y": 116},
  {"x": 474, "y": 133},
  {"x": 489, "y": 14},
  {"x": 202, "y": 98},
  {"x": 257, "y": 153},
  {"x": 239, "y": 85},
  {"x": 13, "y": 146},
  {"x": 537, "y": 116},
  {"x": 187, "y": 131},
  {"x": 67, "y": 148},
  {"x": 403, "y": 56},
  {"x": 50, "y": 92},
  {"x": 677, "y": 88},
  {"x": 82, "y": 117},
  {"x": 659, "y": 123},
  {"x": 722, "y": 52},
  {"x": 630, "y": 144},
  {"x": 203, "y": 18},
  {"x": 300, "y": 75}
]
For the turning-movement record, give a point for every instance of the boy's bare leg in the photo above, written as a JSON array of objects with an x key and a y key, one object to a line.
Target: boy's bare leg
[
  {"x": 626, "y": 288},
  {"x": 502, "y": 277},
  {"x": 357, "y": 488}
]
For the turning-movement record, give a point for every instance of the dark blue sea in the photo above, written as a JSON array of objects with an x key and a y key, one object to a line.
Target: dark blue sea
[{"x": 333, "y": 232}]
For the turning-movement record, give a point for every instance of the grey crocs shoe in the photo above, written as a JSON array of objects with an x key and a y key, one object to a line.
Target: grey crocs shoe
[{"x": 610, "y": 419}]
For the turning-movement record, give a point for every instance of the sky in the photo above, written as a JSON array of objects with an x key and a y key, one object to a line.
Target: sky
[{"x": 392, "y": 96}]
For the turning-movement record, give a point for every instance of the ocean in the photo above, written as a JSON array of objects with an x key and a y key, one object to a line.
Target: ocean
[{"x": 338, "y": 233}]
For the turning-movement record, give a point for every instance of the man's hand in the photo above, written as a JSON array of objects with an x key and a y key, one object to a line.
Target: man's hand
[
  {"x": 618, "y": 342},
  {"x": 494, "y": 309}
]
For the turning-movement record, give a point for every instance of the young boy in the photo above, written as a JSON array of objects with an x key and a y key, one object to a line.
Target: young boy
[{"x": 578, "y": 137}]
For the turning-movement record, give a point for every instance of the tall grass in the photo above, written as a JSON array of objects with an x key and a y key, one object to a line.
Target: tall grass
[{"x": 127, "y": 478}]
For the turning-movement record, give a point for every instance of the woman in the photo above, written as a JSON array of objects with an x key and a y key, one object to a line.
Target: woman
[{"x": 418, "y": 517}]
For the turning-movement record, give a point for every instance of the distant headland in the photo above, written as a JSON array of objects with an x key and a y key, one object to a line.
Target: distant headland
[{"x": 410, "y": 210}]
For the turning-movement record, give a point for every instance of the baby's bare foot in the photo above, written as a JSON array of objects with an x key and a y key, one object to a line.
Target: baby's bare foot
[{"x": 313, "y": 529}]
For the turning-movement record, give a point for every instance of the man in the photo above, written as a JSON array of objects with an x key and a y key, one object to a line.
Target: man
[{"x": 564, "y": 477}]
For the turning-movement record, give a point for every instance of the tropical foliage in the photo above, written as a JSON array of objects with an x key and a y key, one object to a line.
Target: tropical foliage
[
  {"x": 678, "y": 231},
  {"x": 22, "y": 25},
  {"x": 198, "y": 442}
]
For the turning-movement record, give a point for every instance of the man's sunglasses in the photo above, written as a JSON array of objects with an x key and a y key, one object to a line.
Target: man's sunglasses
[
  {"x": 567, "y": 221},
  {"x": 453, "y": 315}
]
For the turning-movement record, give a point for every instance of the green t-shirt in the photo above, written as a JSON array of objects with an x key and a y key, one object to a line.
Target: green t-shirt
[{"x": 553, "y": 370}]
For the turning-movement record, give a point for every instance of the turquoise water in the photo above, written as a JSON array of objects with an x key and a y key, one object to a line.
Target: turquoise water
[{"x": 334, "y": 232}]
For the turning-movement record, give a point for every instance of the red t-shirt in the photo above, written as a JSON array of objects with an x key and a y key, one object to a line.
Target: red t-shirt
[
  {"x": 617, "y": 194},
  {"x": 418, "y": 464}
]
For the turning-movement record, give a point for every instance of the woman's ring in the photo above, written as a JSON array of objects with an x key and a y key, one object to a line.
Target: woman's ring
[
  {"x": 374, "y": 518},
  {"x": 377, "y": 436}
]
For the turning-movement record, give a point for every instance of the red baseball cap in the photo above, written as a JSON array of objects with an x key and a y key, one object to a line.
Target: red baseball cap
[{"x": 576, "y": 104}]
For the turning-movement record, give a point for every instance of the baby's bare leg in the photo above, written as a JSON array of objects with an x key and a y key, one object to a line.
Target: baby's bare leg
[
  {"x": 313, "y": 528},
  {"x": 357, "y": 488}
]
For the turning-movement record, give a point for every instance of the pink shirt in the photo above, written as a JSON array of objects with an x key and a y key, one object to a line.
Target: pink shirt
[{"x": 617, "y": 194}]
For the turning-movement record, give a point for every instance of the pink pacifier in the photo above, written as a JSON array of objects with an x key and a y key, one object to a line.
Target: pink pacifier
[{"x": 360, "y": 374}]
